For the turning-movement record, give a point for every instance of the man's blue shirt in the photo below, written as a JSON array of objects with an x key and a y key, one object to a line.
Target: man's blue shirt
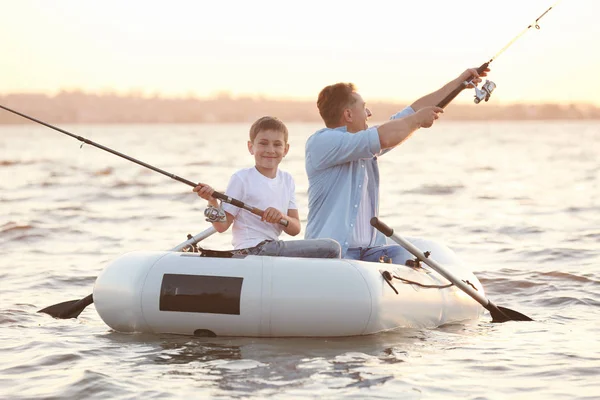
[{"x": 336, "y": 164}]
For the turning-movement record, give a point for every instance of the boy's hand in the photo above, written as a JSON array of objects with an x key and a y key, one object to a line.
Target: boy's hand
[
  {"x": 205, "y": 192},
  {"x": 272, "y": 215}
]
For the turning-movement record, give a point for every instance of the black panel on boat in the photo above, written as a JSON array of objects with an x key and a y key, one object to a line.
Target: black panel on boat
[{"x": 201, "y": 294}]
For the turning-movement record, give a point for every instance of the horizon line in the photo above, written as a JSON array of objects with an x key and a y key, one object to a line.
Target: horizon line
[{"x": 226, "y": 95}]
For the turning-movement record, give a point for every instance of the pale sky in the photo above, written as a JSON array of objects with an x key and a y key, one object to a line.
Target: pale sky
[{"x": 392, "y": 50}]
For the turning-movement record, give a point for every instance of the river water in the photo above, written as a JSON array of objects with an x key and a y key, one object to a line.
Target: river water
[{"x": 519, "y": 202}]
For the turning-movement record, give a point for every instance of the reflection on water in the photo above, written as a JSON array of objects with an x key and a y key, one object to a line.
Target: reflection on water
[
  {"x": 250, "y": 364},
  {"x": 267, "y": 366}
]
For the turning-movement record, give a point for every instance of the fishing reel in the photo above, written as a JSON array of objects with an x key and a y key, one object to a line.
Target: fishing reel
[
  {"x": 485, "y": 92},
  {"x": 215, "y": 214}
]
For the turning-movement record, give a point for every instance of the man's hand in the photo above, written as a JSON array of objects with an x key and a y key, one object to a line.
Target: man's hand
[
  {"x": 427, "y": 115},
  {"x": 472, "y": 75}
]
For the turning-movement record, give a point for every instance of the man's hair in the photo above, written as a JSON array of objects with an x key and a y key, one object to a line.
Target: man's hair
[
  {"x": 332, "y": 101},
  {"x": 268, "y": 124}
]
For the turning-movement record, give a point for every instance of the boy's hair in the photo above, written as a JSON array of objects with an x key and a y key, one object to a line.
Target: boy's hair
[
  {"x": 268, "y": 124},
  {"x": 332, "y": 101}
]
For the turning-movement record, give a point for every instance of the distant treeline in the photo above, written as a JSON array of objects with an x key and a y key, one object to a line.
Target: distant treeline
[{"x": 79, "y": 107}]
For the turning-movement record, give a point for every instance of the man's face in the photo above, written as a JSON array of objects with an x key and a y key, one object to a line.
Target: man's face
[{"x": 357, "y": 114}]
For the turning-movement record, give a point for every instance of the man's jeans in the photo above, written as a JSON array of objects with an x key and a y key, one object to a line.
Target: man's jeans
[{"x": 396, "y": 253}]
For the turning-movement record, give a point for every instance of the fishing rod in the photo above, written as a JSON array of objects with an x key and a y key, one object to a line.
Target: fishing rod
[
  {"x": 488, "y": 87},
  {"x": 223, "y": 197}
]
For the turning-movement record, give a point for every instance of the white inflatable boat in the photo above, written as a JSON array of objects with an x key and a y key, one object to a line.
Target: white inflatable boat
[{"x": 258, "y": 296}]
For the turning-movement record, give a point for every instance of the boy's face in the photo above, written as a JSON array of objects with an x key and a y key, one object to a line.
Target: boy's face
[{"x": 268, "y": 148}]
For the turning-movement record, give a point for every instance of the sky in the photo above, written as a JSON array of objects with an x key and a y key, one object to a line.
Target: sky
[{"x": 392, "y": 50}]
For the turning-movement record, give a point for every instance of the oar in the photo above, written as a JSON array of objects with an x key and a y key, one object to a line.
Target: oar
[
  {"x": 199, "y": 237},
  {"x": 216, "y": 195},
  {"x": 72, "y": 308},
  {"x": 68, "y": 309},
  {"x": 499, "y": 314}
]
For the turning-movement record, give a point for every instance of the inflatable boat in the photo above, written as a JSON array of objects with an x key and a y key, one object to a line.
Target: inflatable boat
[
  {"x": 179, "y": 292},
  {"x": 190, "y": 294}
]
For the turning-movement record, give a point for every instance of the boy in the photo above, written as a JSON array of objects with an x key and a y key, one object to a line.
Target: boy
[{"x": 266, "y": 187}]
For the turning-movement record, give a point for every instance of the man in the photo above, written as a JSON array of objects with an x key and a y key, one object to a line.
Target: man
[{"x": 341, "y": 164}]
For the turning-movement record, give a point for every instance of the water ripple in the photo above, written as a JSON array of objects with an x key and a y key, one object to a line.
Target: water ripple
[{"x": 535, "y": 241}]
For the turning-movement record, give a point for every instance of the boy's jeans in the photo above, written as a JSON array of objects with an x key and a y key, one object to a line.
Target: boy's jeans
[{"x": 309, "y": 248}]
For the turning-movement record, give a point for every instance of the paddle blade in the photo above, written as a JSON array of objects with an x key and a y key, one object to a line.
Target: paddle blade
[
  {"x": 503, "y": 314},
  {"x": 68, "y": 309}
]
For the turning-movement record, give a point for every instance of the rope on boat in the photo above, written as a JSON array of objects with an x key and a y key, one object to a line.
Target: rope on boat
[{"x": 388, "y": 277}]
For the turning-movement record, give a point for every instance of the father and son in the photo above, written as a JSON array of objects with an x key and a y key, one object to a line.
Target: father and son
[{"x": 343, "y": 176}]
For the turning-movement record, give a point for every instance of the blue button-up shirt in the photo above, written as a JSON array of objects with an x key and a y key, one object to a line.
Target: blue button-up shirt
[{"x": 336, "y": 164}]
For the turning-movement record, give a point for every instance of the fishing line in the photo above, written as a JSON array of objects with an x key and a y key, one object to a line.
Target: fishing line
[
  {"x": 488, "y": 87},
  {"x": 534, "y": 24},
  {"x": 220, "y": 196}
]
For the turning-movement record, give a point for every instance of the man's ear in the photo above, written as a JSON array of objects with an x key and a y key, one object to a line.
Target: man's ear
[
  {"x": 250, "y": 148},
  {"x": 287, "y": 148},
  {"x": 347, "y": 115}
]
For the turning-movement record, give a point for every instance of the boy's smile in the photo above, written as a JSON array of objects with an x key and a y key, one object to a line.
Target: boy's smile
[{"x": 269, "y": 148}]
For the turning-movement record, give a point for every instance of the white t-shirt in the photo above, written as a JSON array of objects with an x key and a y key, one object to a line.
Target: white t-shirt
[
  {"x": 362, "y": 234},
  {"x": 256, "y": 190}
]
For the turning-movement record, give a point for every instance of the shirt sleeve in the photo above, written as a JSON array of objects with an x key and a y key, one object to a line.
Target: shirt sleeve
[
  {"x": 235, "y": 189},
  {"x": 332, "y": 147},
  {"x": 292, "y": 204},
  {"x": 404, "y": 113}
]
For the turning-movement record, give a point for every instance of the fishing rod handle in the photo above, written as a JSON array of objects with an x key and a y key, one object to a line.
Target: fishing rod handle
[
  {"x": 456, "y": 92},
  {"x": 240, "y": 204},
  {"x": 230, "y": 200}
]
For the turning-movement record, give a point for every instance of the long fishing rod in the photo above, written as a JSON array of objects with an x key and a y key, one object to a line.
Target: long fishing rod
[
  {"x": 488, "y": 87},
  {"x": 216, "y": 195}
]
